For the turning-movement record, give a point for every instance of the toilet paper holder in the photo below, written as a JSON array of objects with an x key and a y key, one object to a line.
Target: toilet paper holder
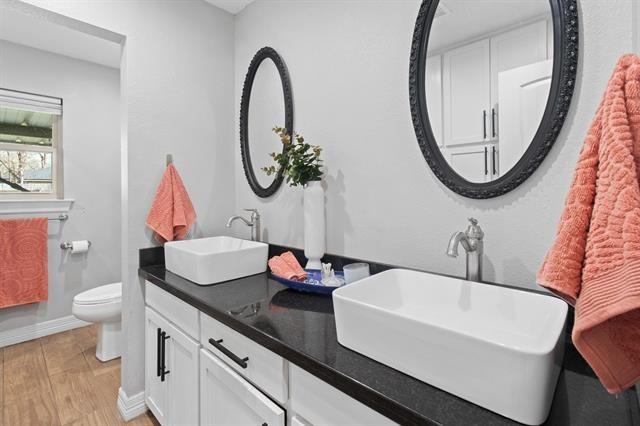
[{"x": 67, "y": 245}]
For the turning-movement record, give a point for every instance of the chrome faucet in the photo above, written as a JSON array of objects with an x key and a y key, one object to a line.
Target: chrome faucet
[
  {"x": 471, "y": 241},
  {"x": 254, "y": 223}
]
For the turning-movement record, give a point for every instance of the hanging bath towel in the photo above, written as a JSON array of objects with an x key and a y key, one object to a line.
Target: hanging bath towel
[
  {"x": 594, "y": 262},
  {"x": 172, "y": 214},
  {"x": 24, "y": 274}
]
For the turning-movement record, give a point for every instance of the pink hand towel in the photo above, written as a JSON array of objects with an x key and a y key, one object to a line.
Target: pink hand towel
[
  {"x": 279, "y": 267},
  {"x": 172, "y": 214},
  {"x": 23, "y": 261},
  {"x": 594, "y": 262},
  {"x": 291, "y": 260}
]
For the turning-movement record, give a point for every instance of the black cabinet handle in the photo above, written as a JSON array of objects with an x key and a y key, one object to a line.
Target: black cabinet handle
[
  {"x": 493, "y": 122},
  {"x": 493, "y": 160},
  {"x": 484, "y": 124},
  {"x": 164, "y": 371},
  {"x": 486, "y": 166},
  {"x": 159, "y": 353},
  {"x": 242, "y": 362}
]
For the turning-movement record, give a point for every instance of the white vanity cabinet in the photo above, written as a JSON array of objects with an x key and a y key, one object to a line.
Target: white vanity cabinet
[
  {"x": 172, "y": 374},
  {"x": 235, "y": 381}
]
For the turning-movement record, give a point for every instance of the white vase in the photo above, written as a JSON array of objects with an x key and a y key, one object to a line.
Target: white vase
[{"x": 314, "y": 224}]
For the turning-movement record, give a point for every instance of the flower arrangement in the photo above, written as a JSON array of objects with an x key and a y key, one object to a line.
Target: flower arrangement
[{"x": 300, "y": 162}]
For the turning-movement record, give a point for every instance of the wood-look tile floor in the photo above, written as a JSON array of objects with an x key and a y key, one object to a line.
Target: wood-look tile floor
[{"x": 57, "y": 380}]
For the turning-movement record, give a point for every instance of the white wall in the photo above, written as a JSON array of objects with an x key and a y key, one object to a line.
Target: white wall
[
  {"x": 178, "y": 85},
  {"x": 349, "y": 66},
  {"x": 91, "y": 143}
]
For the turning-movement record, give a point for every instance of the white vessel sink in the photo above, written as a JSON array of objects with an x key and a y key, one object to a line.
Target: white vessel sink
[
  {"x": 216, "y": 259},
  {"x": 497, "y": 347}
]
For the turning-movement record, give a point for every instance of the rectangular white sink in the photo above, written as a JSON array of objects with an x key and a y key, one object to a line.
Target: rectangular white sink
[
  {"x": 497, "y": 347},
  {"x": 216, "y": 259}
]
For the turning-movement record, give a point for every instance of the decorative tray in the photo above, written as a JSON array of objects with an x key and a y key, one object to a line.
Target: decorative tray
[{"x": 312, "y": 284}]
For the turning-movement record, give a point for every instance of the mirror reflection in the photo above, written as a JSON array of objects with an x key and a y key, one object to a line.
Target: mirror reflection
[
  {"x": 266, "y": 110},
  {"x": 488, "y": 75}
]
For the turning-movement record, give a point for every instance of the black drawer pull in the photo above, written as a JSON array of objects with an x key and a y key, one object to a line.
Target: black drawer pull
[
  {"x": 493, "y": 122},
  {"x": 484, "y": 124},
  {"x": 493, "y": 160},
  {"x": 159, "y": 353},
  {"x": 242, "y": 362},
  {"x": 164, "y": 371}
]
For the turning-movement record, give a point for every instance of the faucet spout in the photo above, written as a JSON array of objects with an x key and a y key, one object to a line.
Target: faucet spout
[
  {"x": 254, "y": 223},
  {"x": 456, "y": 239},
  {"x": 234, "y": 218}
]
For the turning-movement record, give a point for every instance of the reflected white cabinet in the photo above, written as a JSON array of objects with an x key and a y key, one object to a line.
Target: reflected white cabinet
[
  {"x": 471, "y": 112},
  {"x": 228, "y": 399},
  {"x": 433, "y": 94},
  {"x": 466, "y": 98},
  {"x": 476, "y": 163},
  {"x": 171, "y": 372}
]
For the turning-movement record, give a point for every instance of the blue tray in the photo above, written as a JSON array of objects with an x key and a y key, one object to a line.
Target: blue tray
[{"x": 312, "y": 284}]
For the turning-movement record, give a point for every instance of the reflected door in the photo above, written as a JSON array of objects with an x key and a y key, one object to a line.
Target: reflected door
[{"x": 522, "y": 95}]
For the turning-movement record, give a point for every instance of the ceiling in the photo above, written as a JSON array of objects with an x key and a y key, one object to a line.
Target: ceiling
[
  {"x": 231, "y": 6},
  {"x": 460, "y": 20},
  {"x": 32, "y": 31}
]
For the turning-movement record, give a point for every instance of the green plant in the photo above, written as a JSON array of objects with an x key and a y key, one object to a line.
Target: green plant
[{"x": 299, "y": 161}]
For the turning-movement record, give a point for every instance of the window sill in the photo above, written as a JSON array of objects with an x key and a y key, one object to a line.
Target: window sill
[{"x": 35, "y": 206}]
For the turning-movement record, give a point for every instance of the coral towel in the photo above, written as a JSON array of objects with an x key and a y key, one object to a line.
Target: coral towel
[
  {"x": 594, "y": 262},
  {"x": 286, "y": 266},
  {"x": 24, "y": 276},
  {"x": 172, "y": 214}
]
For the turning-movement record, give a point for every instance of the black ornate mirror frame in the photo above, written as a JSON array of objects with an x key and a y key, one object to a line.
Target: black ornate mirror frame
[
  {"x": 565, "y": 63},
  {"x": 261, "y": 55}
]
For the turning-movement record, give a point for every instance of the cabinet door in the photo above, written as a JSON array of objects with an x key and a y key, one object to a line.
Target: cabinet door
[
  {"x": 523, "y": 97},
  {"x": 471, "y": 162},
  {"x": 155, "y": 390},
  {"x": 433, "y": 93},
  {"x": 182, "y": 355},
  {"x": 466, "y": 93},
  {"x": 228, "y": 399},
  {"x": 513, "y": 49}
]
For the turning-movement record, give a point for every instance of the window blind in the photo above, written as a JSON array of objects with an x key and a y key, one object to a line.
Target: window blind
[{"x": 30, "y": 102}]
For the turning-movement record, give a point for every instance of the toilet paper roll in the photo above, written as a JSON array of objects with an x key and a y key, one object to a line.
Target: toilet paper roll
[{"x": 79, "y": 246}]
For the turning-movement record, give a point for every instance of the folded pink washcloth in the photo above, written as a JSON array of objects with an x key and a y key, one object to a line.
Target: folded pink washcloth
[
  {"x": 282, "y": 269},
  {"x": 291, "y": 260}
]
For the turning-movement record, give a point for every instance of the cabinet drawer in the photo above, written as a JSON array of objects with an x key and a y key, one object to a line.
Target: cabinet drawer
[
  {"x": 178, "y": 312},
  {"x": 264, "y": 368},
  {"x": 322, "y": 404},
  {"x": 227, "y": 399}
]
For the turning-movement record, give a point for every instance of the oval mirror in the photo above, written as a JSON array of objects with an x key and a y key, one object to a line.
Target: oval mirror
[
  {"x": 266, "y": 102},
  {"x": 490, "y": 86}
]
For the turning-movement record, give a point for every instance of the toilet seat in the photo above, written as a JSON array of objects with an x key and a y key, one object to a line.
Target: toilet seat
[{"x": 100, "y": 295}]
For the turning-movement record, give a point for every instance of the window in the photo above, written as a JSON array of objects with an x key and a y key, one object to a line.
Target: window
[{"x": 30, "y": 160}]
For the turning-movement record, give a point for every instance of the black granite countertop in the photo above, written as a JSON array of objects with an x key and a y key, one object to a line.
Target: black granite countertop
[{"x": 301, "y": 328}]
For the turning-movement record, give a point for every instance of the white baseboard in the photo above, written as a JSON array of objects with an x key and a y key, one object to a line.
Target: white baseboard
[
  {"x": 131, "y": 407},
  {"x": 41, "y": 329}
]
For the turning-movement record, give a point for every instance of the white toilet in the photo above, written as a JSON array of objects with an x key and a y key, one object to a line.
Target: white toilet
[{"x": 103, "y": 306}]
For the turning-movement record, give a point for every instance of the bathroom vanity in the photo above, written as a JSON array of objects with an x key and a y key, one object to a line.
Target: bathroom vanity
[{"x": 296, "y": 372}]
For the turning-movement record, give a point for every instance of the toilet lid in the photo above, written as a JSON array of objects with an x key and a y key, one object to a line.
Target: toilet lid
[{"x": 102, "y": 294}]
